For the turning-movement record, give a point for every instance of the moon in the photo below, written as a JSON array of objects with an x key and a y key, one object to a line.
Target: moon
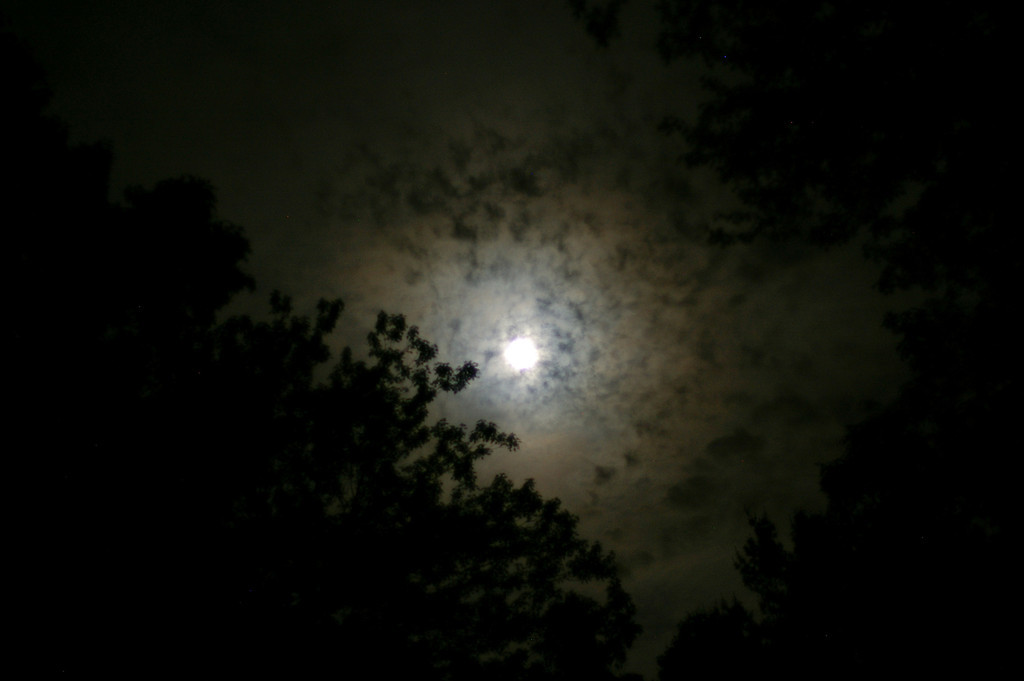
[{"x": 521, "y": 354}]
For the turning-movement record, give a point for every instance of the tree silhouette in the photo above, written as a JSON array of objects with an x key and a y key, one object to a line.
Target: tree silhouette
[
  {"x": 835, "y": 120},
  {"x": 219, "y": 492},
  {"x": 723, "y": 641},
  {"x": 361, "y": 530}
]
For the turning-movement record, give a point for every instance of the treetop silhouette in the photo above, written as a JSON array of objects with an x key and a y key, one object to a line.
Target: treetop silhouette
[
  {"x": 202, "y": 491},
  {"x": 839, "y": 120}
]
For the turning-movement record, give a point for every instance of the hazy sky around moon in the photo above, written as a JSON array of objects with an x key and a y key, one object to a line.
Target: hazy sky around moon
[{"x": 485, "y": 170}]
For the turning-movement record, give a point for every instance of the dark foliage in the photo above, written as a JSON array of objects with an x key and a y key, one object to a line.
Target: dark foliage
[
  {"x": 888, "y": 122},
  {"x": 833, "y": 119},
  {"x": 196, "y": 494},
  {"x": 721, "y": 642}
]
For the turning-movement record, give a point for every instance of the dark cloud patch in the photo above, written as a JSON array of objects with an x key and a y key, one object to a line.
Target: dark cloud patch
[
  {"x": 632, "y": 459},
  {"x": 739, "y": 399},
  {"x": 567, "y": 345},
  {"x": 751, "y": 271},
  {"x": 463, "y": 231},
  {"x": 431, "y": 193},
  {"x": 577, "y": 312},
  {"x": 490, "y": 141},
  {"x": 633, "y": 561},
  {"x": 623, "y": 257},
  {"x": 366, "y": 186},
  {"x": 623, "y": 178},
  {"x": 641, "y": 558},
  {"x": 787, "y": 410},
  {"x": 569, "y": 155},
  {"x": 461, "y": 153},
  {"x": 603, "y": 474},
  {"x": 384, "y": 182},
  {"x": 646, "y": 428},
  {"x": 414, "y": 246},
  {"x": 502, "y": 268},
  {"x": 522, "y": 181},
  {"x": 707, "y": 346},
  {"x": 493, "y": 211},
  {"x": 549, "y": 305},
  {"x": 692, "y": 531},
  {"x": 740, "y": 445},
  {"x": 423, "y": 202},
  {"x": 480, "y": 182},
  {"x": 413, "y": 277},
  {"x": 687, "y": 226},
  {"x": 469, "y": 257},
  {"x": 754, "y": 354},
  {"x": 697, "y": 491},
  {"x": 676, "y": 184},
  {"x": 519, "y": 226}
]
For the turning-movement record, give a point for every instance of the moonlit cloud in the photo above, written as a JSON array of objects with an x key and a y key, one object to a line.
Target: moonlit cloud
[
  {"x": 491, "y": 175},
  {"x": 680, "y": 385}
]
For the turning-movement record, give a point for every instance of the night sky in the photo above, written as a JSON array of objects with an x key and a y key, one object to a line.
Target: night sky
[{"x": 485, "y": 169}]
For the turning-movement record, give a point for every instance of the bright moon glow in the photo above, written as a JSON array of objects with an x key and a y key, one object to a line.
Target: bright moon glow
[{"x": 521, "y": 354}]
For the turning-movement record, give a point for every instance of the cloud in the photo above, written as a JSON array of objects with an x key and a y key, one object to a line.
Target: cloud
[
  {"x": 695, "y": 492},
  {"x": 524, "y": 191},
  {"x": 740, "y": 445},
  {"x": 678, "y": 385},
  {"x": 603, "y": 474}
]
